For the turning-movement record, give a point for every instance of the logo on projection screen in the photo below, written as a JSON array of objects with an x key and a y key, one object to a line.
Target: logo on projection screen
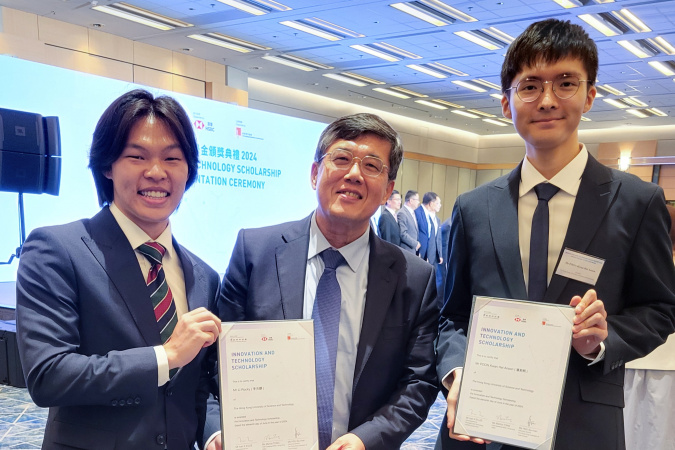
[{"x": 198, "y": 124}]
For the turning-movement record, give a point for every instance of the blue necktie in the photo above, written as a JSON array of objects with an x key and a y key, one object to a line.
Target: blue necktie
[
  {"x": 539, "y": 243},
  {"x": 326, "y": 315}
]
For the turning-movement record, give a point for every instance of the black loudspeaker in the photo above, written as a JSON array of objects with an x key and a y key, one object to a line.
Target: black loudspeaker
[
  {"x": 30, "y": 153},
  {"x": 10, "y": 364}
]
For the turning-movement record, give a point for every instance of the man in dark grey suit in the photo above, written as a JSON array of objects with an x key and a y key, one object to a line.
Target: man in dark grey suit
[
  {"x": 384, "y": 379},
  {"x": 407, "y": 223},
  {"x": 117, "y": 345},
  {"x": 548, "y": 81}
]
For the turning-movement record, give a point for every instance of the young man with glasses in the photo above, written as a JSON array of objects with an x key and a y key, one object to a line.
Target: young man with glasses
[
  {"x": 498, "y": 248},
  {"x": 378, "y": 386}
]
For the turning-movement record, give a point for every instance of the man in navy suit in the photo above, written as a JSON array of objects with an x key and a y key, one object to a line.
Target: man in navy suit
[
  {"x": 429, "y": 237},
  {"x": 384, "y": 378},
  {"x": 548, "y": 81},
  {"x": 388, "y": 225},
  {"x": 114, "y": 343}
]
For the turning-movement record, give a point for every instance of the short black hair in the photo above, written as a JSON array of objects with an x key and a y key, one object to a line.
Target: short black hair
[
  {"x": 429, "y": 197},
  {"x": 410, "y": 194},
  {"x": 113, "y": 128},
  {"x": 394, "y": 192},
  {"x": 356, "y": 125},
  {"x": 549, "y": 41}
]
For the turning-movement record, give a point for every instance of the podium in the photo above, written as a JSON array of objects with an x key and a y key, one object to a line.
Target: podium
[{"x": 10, "y": 365}]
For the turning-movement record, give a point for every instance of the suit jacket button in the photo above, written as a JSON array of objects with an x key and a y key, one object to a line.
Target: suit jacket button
[
  {"x": 137, "y": 400},
  {"x": 113, "y": 403},
  {"x": 130, "y": 401},
  {"x": 121, "y": 402},
  {"x": 160, "y": 439}
]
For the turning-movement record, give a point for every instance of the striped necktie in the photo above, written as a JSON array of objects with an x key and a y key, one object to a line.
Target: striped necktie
[{"x": 160, "y": 293}]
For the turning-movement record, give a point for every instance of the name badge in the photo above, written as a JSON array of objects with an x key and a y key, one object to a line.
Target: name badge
[{"x": 580, "y": 266}]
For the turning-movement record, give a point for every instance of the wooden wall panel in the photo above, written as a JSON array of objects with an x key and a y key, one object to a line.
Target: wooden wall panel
[
  {"x": 111, "y": 46},
  {"x": 153, "y": 78}
]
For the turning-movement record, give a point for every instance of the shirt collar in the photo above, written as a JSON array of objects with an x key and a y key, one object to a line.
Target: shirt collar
[
  {"x": 136, "y": 235},
  {"x": 391, "y": 210},
  {"x": 567, "y": 179},
  {"x": 353, "y": 253}
]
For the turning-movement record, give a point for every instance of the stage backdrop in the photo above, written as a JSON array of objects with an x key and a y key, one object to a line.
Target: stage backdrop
[{"x": 254, "y": 166}]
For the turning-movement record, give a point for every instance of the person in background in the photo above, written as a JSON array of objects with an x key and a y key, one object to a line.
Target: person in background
[
  {"x": 429, "y": 237},
  {"x": 502, "y": 246},
  {"x": 114, "y": 317},
  {"x": 375, "y": 365},
  {"x": 388, "y": 224},
  {"x": 407, "y": 223}
]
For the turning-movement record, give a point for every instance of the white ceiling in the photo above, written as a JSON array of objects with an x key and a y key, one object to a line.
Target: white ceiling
[{"x": 379, "y": 22}]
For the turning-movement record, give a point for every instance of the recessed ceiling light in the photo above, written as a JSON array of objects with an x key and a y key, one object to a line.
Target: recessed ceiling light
[
  {"x": 229, "y": 42},
  {"x": 142, "y": 16},
  {"x": 344, "y": 79},
  {"x": 390, "y": 92},
  {"x": 430, "y": 104},
  {"x": 615, "y": 103},
  {"x": 495, "y": 122},
  {"x": 258, "y": 8},
  {"x": 426, "y": 70},
  {"x": 296, "y": 62},
  {"x": 408, "y": 91},
  {"x": 465, "y": 114},
  {"x": 447, "y": 103},
  {"x": 468, "y": 85}
]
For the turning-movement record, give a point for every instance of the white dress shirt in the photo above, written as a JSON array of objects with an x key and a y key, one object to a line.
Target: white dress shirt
[
  {"x": 412, "y": 212},
  {"x": 393, "y": 212},
  {"x": 173, "y": 272},
  {"x": 353, "y": 280}
]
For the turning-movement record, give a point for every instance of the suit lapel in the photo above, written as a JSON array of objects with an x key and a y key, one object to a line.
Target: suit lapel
[
  {"x": 379, "y": 294},
  {"x": 111, "y": 248},
  {"x": 503, "y": 217},
  {"x": 291, "y": 259},
  {"x": 193, "y": 279},
  {"x": 596, "y": 194}
]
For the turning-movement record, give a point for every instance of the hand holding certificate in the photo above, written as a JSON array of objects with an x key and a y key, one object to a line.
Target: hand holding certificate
[
  {"x": 514, "y": 372},
  {"x": 268, "y": 385}
]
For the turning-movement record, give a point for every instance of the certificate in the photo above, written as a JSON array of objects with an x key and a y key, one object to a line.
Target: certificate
[
  {"x": 268, "y": 385},
  {"x": 514, "y": 372}
]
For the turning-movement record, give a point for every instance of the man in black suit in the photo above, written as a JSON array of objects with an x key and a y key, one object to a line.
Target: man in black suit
[
  {"x": 383, "y": 381},
  {"x": 548, "y": 81},
  {"x": 388, "y": 224}
]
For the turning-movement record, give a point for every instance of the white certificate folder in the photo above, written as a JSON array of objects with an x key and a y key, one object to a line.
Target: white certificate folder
[
  {"x": 268, "y": 385},
  {"x": 514, "y": 371}
]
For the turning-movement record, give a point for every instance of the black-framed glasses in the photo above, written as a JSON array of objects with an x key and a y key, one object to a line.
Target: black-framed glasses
[
  {"x": 565, "y": 87},
  {"x": 344, "y": 159}
]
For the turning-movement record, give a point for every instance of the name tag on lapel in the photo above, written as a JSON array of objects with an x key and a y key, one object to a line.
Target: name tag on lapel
[{"x": 580, "y": 266}]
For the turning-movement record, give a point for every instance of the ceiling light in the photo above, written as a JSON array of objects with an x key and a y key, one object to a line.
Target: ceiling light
[
  {"x": 610, "y": 89},
  {"x": 390, "y": 92},
  {"x": 447, "y": 103},
  {"x": 481, "y": 113},
  {"x": 344, "y": 79},
  {"x": 431, "y": 104},
  {"x": 408, "y": 91},
  {"x": 395, "y": 50},
  {"x": 485, "y": 39},
  {"x": 495, "y": 122},
  {"x": 229, "y": 42},
  {"x": 448, "y": 69},
  {"x": 464, "y": 113},
  {"x": 638, "y": 50},
  {"x": 142, "y": 16},
  {"x": 365, "y": 79},
  {"x": 637, "y": 113},
  {"x": 487, "y": 84},
  {"x": 257, "y": 7},
  {"x": 296, "y": 62},
  {"x": 505, "y": 120},
  {"x": 567, "y": 4},
  {"x": 585, "y": 119},
  {"x": 422, "y": 13},
  {"x": 665, "y": 67},
  {"x": 600, "y": 24},
  {"x": 497, "y": 96},
  {"x": 426, "y": 70},
  {"x": 331, "y": 27},
  {"x": 615, "y": 103},
  {"x": 375, "y": 52},
  {"x": 468, "y": 85},
  {"x": 631, "y": 20},
  {"x": 634, "y": 102},
  {"x": 662, "y": 45},
  {"x": 656, "y": 112},
  {"x": 448, "y": 10},
  {"x": 498, "y": 35},
  {"x": 311, "y": 30}
]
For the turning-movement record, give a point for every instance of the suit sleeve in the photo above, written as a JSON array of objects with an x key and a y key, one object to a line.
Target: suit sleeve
[
  {"x": 49, "y": 305},
  {"x": 234, "y": 289},
  {"x": 406, "y": 232},
  {"x": 648, "y": 315},
  {"x": 408, "y": 406},
  {"x": 454, "y": 320}
]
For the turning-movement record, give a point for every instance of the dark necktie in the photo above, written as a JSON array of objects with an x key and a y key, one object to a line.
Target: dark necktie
[
  {"x": 538, "y": 273},
  {"x": 160, "y": 293},
  {"x": 326, "y": 315}
]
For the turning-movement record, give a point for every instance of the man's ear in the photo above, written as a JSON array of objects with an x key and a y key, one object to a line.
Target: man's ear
[
  {"x": 506, "y": 106},
  {"x": 314, "y": 174}
]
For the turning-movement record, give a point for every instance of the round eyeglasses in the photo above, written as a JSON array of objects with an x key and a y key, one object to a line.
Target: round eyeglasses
[
  {"x": 342, "y": 159},
  {"x": 529, "y": 90}
]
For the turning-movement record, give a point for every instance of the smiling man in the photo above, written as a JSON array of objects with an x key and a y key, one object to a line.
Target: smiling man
[
  {"x": 499, "y": 248},
  {"x": 375, "y": 358},
  {"x": 113, "y": 315}
]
